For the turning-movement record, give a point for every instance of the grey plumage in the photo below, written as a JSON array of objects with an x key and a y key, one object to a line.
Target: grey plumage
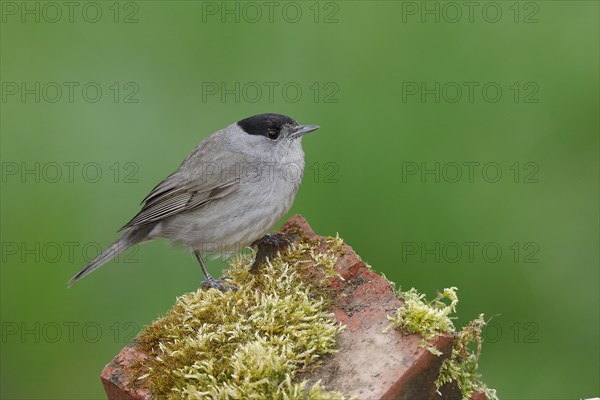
[
  {"x": 225, "y": 195},
  {"x": 128, "y": 239}
]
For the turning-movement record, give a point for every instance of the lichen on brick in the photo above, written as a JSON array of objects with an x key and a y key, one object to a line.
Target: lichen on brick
[
  {"x": 250, "y": 343},
  {"x": 432, "y": 318}
]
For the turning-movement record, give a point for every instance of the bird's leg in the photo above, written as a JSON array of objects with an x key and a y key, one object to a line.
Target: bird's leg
[
  {"x": 267, "y": 247},
  {"x": 211, "y": 282}
]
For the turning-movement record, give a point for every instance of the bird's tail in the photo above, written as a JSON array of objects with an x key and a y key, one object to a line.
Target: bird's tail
[{"x": 129, "y": 239}]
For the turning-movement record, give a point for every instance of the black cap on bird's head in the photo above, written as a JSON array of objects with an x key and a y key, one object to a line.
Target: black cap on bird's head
[{"x": 272, "y": 125}]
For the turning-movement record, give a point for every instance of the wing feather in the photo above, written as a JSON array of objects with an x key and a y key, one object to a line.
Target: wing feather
[
  {"x": 168, "y": 199},
  {"x": 190, "y": 186}
]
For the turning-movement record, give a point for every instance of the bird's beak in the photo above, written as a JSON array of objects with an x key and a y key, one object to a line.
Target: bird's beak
[{"x": 303, "y": 130}]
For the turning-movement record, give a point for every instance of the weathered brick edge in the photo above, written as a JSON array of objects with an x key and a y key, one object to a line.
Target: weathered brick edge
[{"x": 370, "y": 364}]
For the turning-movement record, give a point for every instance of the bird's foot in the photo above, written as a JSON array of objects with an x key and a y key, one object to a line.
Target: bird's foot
[
  {"x": 212, "y": 283},
  {"x": 267, "y": 247}
]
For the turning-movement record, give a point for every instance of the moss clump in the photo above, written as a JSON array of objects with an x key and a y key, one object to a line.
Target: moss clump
[
  {"x": 430, "y": 319},
  {"x": 462, "y": 365},
  {"x": 249, "y": 343}
]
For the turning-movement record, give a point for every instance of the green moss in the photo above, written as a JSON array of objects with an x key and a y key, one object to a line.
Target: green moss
[
  {"x": 249, "y": 343},
  {"x": 462, "y": 365},
  {"x": 430, "y": 319}
]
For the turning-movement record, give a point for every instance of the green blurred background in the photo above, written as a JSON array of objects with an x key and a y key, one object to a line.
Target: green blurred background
[{"x": 357, "y": 65}]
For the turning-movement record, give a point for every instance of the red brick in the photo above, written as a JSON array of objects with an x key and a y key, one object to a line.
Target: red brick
[{"x": 370, "y": 364}]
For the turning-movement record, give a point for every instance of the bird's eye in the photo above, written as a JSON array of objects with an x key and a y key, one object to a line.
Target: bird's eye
[{"x": 273, "y": 134}]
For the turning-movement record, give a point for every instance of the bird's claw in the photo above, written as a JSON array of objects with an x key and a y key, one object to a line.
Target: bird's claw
[
  {"x": 267, "y": 247},
  {"x": 212, "y": 283}
]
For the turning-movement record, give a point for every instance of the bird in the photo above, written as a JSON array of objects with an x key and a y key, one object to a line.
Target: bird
[{"x": 226, "y": 195}]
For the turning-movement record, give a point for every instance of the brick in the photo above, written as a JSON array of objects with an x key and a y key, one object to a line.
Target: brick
[{"x": 370, "y": 364}]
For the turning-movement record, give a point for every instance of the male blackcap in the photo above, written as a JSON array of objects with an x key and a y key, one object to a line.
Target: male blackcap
[{"x": 225, "y": 195}]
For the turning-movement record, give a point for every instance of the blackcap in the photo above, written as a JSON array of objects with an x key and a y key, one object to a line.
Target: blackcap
[{"x": 225, "y": 195}]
